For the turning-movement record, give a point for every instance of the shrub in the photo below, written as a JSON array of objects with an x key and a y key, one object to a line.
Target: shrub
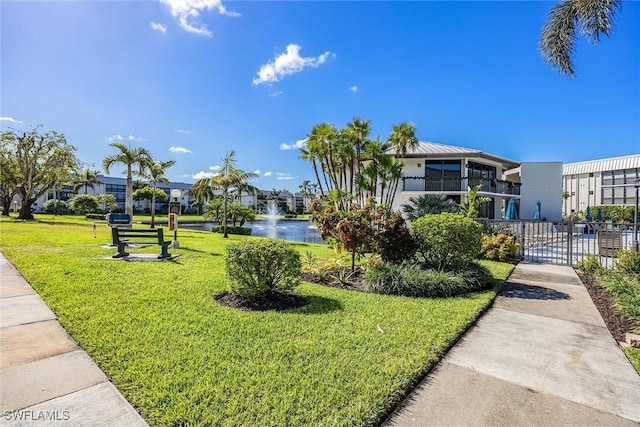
[
  {"x": 55, "y": 206},
  {"x": 590, "y": 265},
  {"x": 408, "y": 279},
  {"x": 84, "y": 203},
  {"x": 243, "y": 231},
  {"x": 95, "y": 216},
  {"x": 394, "y": 242},
  {"x": 258, "y": 266},
  {"x": 498, "y": 247},
  {"x": 625, "y": 289},
  {"x": 628, "y": 261},
  {"x": 447, "y": 240}
]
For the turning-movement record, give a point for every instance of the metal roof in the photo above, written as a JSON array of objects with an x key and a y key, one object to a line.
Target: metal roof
[
  {"x": 602, "y": 165},
  {"x": 434, "y": 149}
]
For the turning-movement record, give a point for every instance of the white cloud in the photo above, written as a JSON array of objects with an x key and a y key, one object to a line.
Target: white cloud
[
  {"x": 275, "y": 94},
  {"x": 203, "y": 174},
  {"x": 284, "y": 176},
  {"x": 183, "y": 131},
  {"x": 115, "y": 138},
  {"x": 214, "y": 167},
  {"x": 298, "y": 144},
  {"x": 268, "y": 173},
  {"x": 179, "y": 150},
  {"x": 287, "y": 63},
  {"x": 257, "y": 171},
  {"x": 158, "y": 27},
  {"x": 353, "y": 89},
  {"x": 9, "y": 119},
  {"x": 188, "y": 12}
]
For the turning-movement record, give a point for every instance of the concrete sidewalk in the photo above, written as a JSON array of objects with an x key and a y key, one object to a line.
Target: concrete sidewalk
[
  {"x": 46, "y": 379},
  {"x": 540, "y": 356}
]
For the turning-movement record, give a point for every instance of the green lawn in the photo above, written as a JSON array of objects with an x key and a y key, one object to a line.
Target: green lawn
[{"x": 182, "y": 359}]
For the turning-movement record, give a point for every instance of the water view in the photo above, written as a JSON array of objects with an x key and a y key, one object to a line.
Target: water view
[{"x": 293, "y": 230}]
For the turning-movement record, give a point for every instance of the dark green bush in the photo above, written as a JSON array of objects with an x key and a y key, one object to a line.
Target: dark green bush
[
  {"x": 628, "y": 261},
  {"x": 95, "y": 216},
  {"x": 84, "y": 203},
  {"x": 498, "y": 247},
  {"x": 409, "y": 279},
  {"x": 244, "y": 231},
  {"x": 55, "y": 206},
  {"x": 590, "y": 265},
  {"x": 447, "y": 240},
  {"x": 258, "y": 266}
]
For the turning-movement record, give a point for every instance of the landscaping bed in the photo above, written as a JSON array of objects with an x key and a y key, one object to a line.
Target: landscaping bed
[{"x": 182, "y": 358}]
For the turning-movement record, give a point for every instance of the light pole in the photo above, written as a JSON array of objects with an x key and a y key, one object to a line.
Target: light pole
[
  {"x": 15, "y": 206},
  {"x": 176, "y": 193},
  {"x": 635, "y": 217}
]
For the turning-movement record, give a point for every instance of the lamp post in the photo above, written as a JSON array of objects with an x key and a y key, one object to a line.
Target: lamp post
[
  {"x": 176, "y": 193},
  {"x": 635, "y": 217},
  {"x": 15, "y": 206}
]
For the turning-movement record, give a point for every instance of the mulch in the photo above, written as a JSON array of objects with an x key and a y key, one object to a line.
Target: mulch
[
  {"x": 272, "y": 300},
  {"x": 616, "y": 322}
]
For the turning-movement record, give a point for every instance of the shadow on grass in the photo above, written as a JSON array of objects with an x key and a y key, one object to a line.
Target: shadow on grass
[
  {"x": 317, "y": 305},
  {"x": 200, "y": 251}
]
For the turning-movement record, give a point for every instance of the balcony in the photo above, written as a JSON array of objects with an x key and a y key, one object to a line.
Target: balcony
[{"x": 420, "y": 183}]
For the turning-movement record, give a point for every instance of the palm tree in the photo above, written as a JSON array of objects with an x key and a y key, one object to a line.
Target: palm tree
[
  {"x": 592, "y": 18},
  {"x": 132, "y": 158},
  {"x": 87, "y": 179},
  {"x": 428, "y": 204},
  {"x": 228, "y": 178},
  {"x": 403, "y": 138},
  {"x": 156, "y": 175}
]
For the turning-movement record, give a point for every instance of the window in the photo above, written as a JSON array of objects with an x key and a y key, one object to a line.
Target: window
[
  {"x": 591, "y": 192},
  {"x": 573, "y": 193},
  {"x": 573, "y": 176},
  {"x": 591, "y": 175}
]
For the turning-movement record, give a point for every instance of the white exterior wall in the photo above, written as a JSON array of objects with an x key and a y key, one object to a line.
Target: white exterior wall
[{"x": 541, "y": 181}]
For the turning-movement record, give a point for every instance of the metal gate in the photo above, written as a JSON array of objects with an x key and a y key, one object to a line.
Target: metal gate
[{"x": 566, "y": 243}]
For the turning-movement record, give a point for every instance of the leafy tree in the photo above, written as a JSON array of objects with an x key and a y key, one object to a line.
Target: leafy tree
[
  {"x": 593, "y": 18},
  {"x": 84, "y": 203},
  {"x": 36, "y": 164},
  {"x": 107, "y": 202},
  {"x": 471, "y": 207},
  {"x": 150, "y": 193},
  {"x": 132, "y": 158},
  {"x": 428, "y": 204},
  {"x": 86, "y": 179},
  {"x": 229, "y": 178},
  {"x": 156, "y": 174}
]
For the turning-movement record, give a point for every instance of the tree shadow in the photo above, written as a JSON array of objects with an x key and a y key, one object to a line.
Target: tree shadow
[
  {"x": 317, "y": 305},
  {"x": 531, "y": 292}
]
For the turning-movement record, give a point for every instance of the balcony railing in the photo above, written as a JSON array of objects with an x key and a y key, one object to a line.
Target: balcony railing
[{"x": 421, "y": 183}]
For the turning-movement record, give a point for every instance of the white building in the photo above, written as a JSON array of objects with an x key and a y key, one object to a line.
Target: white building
[{"x": 608, "y": 181}]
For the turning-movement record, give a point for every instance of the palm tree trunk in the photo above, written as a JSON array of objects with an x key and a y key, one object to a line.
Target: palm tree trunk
[
  {"x": 224, "y": 215},
  {"x": 153, "y": 206},
  {"x": 128, "y": 203}
]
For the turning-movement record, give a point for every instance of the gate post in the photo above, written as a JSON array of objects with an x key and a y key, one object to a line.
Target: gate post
[
  {"x": 522, "y": 231},
  {"x": 569, "y": 242}
]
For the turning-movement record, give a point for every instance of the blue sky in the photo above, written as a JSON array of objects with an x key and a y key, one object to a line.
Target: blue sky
[{"x": 191, "y": 80}]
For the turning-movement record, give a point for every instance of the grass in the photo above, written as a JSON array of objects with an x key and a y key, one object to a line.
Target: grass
[
  {"x": 182, "y": 359},
  {"x": 634, "y": 356}
]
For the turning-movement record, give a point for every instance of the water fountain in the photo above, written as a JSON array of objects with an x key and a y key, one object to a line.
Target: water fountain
[{"x": 272, "y": 212}]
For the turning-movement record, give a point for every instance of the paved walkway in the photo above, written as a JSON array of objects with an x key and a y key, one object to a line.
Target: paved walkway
[
  {"x": 46, "y": 379},
  {"x": 540, "y": 356}
]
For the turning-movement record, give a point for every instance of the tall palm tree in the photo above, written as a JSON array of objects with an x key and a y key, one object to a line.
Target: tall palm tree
[
  {"x": 403, "y": 138},
  {"x": 156, "y": 175},
  {"x": 137, "y": 157},
  {"x": 229, "y": 177},
  {"x": 85, "y": 180},
  {"x": 593, "y": 18}
]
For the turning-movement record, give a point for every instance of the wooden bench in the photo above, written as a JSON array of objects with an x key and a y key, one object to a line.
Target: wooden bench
[
  {"x": 609, "y": 243},
  {"x": 124, "y": 236}
]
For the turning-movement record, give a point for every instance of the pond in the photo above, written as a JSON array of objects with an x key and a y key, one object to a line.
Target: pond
[{"x": 293, "y": 230}]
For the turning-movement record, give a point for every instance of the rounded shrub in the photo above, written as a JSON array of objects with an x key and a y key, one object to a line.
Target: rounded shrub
[
  {"x": 628, "y": 261},
  {"x": 498, "y": 247},
  {"x": 259, "y": 266},
  {"x": 84, "y": 204},
  {"x": 54, "y": 206},
  {"x": 447, "y": 240},
  {"x": 409, "y": 279}
]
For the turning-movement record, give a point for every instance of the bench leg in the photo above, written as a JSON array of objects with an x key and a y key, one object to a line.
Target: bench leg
[
  {"x": 121, "y": 253},
  {"x": 165, "y": 253}
]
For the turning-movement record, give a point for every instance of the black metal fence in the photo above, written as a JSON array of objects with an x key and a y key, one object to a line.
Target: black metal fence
[
  {"x": 421, "y": 183},
  {"x": 567, "y": 243}
]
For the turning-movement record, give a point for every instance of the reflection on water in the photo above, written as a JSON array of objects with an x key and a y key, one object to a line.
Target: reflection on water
[{"x": 296, "y": 231}]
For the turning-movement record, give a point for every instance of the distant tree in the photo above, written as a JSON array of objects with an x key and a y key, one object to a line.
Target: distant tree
[
  {"x": 593, "y": 18},
  {"x": 428, "y": 204},
  {"x": 38, "y": 162},
  {"x": 107, "y": 202},
  {"x": 84, "y": 203},
  {"x": 229, "y": 178},
  {"x": 8, "y": 166},
  {"x": 156, "y": 174},
  {"x": 213, "y": 208},
  {"x": 150, "y": 193},
  {"x": 132, "y": 158},
  {"x": 85, "y": 180}
]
